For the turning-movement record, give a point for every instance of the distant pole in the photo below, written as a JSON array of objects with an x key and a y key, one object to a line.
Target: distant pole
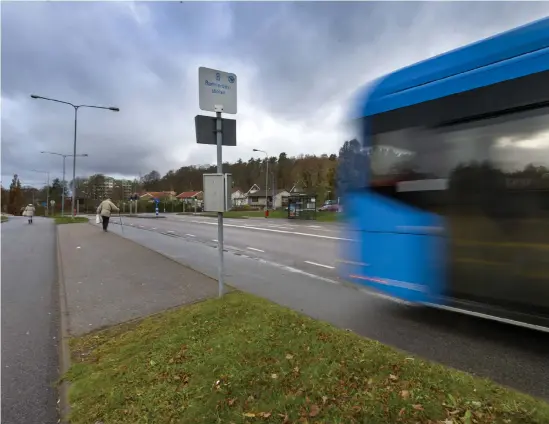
[
  {"x": 63, "y": 190},
  {"x": 266, "y": 177},
  {"x": 64, "y": 182},
  {"x": 76, "y": 107},
  {"x": 219, "y": 135}
]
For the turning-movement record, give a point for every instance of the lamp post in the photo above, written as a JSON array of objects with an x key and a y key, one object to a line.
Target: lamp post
[
  {"x": 47, "y": 191},
  {"x": 85, "y": 155},
  {"x": 76, "y": 107},
  {"x": 266, "y": 178}
]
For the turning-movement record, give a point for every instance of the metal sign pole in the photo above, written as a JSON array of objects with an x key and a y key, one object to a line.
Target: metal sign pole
[
  {"x": 219, "y": 136},
  {"x": 216, "y": 93}
]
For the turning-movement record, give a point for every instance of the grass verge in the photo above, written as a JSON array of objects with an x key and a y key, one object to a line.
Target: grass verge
[
  {"x": 3, "y": 218},
  {"x": 69, "y": 220},
  {"x": 242, "y": 359}
]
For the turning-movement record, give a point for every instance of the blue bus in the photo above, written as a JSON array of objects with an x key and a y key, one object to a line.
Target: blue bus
[{"x": 446, "y": 184}]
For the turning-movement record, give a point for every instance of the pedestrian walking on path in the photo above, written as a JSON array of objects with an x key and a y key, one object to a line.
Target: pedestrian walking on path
[
  {"x": 29, "y": 212},
  {"x": 105, "y": 209}
]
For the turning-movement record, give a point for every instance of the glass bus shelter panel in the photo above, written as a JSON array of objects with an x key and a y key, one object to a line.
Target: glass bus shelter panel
[{"x": 302, "y": 207}]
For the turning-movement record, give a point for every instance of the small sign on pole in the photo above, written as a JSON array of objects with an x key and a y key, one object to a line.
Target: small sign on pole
[
  {"x": 217, "y": 93},
  {"x": 206, "y": 132},
  {"x": 217, "y": 90}
]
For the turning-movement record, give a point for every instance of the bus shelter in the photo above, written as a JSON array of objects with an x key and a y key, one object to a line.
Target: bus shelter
[{"x": 302, "y": 206}]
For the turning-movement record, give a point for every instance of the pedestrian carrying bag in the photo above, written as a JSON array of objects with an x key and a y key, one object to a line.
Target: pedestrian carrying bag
[{"x": 97, "y": 219}]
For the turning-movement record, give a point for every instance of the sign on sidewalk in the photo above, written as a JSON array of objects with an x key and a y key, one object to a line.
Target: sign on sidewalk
[
  {"x": 206, "y": 132},
  {"x": 217, "y": 93},
  {"x": 216, "y": 90}
]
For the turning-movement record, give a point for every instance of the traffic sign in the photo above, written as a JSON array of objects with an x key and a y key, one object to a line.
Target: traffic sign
[
  {"x": 216, "y": 89},
  {"x": 206, "y": 132}
]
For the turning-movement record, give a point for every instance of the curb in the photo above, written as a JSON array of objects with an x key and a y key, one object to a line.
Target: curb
[{"x": 64, "y": 350}]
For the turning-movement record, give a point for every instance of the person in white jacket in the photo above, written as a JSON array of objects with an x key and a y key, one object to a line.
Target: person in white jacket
[
  {"x": 105, "y": 209},
  {"x": 29, "y": 212}
]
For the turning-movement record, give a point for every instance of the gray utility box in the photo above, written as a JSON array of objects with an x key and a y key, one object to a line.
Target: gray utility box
[{"x": 217, "y": 192}]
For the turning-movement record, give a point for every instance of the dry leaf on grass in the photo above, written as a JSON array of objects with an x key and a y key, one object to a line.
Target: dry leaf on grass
[{"x": 314, "y": 410}]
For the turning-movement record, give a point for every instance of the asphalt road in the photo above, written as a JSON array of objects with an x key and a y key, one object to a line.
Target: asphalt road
[
  {"x": 312, "y": 247},
  {"x": 29, "y": 322},
  {"x": 294, "y": 265}
]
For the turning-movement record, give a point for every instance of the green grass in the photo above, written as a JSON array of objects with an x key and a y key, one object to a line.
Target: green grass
[
  {"x": 278, "y": 214},
  {"x": 69, "y": 220},
  {"x": 3, "y": 218},
  {"x": 241, "y": 359}
]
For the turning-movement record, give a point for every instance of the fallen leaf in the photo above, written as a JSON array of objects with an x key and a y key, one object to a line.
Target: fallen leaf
[
  {"x": 286, "y": 418},
  {"x": 405, "y": 394},
  {"x": 324, "y": 399},
  {"x": 249, "y": 414},
  {"x": 288, "y": 356},
  {"x": 152, "y": 362},
  {"x": 296, "y": 369},
  {"x": 401, "y": 412},
  {"x": 231, "y": 401},
  {"x": 314, "y": 410},
  {"x": 393, "y": 377},
  {"x": 264, "y": 414},
  {"x": 417, "y": 407},
  {"x": 274, "y": 376}
]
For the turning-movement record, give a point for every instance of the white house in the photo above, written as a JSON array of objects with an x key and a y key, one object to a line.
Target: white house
[
  {"x": 238, "y": 198},
  {"x": 258, "y": 198}
]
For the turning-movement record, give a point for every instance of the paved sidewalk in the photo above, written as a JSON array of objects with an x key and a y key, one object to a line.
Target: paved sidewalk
[{"x": 109, "y": 279}]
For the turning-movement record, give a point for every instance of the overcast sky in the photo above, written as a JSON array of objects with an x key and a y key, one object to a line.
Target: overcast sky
[{"x": 297, "y": 66}]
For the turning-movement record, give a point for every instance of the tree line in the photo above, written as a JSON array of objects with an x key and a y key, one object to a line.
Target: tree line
[{"x": 310, "y": 173}]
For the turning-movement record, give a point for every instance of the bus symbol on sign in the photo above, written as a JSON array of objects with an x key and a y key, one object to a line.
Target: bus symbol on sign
[
  {"x": 231, "y": 79},
  {"x": 218, "y": 76}
]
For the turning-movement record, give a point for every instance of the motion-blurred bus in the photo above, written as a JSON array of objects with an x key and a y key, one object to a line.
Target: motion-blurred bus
[{"x": 446, "y": 184}]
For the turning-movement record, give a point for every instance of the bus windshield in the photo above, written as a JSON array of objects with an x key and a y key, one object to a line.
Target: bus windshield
[{"x": 512, "y": 144}]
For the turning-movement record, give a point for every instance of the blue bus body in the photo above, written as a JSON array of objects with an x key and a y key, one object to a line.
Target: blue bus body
[{"x": 445, "y": 185}]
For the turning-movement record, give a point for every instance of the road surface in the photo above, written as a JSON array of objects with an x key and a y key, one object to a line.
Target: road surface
[
  {"x": 29, "y": 322},
  {"x": 294, "y": 265}
]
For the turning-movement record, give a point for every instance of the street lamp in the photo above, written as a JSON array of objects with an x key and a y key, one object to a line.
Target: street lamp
[
  {"x": 76, "y": 107},
  {"x": 266, "y": 177},
  {"x": 85, "y": 155},
  {"x": 47, "y": 191}
]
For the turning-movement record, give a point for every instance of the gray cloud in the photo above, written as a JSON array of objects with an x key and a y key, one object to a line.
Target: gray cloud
[{"x": 299, "y": 62}]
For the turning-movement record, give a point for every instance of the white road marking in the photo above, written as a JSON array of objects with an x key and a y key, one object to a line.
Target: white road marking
[
  {"x": 257, "y": 250},
  {"x": 276, "y": 231},
  {"x": 154, "y": 228},
  {"x": 322, "y": 265},
  {"x": 313, "y": 226},
  {"x": 299, "y": 271},
  {"x": 172, "y": 232},
  {"x": 190, "y": 235},
  {"x": 215, "y": 240}
]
